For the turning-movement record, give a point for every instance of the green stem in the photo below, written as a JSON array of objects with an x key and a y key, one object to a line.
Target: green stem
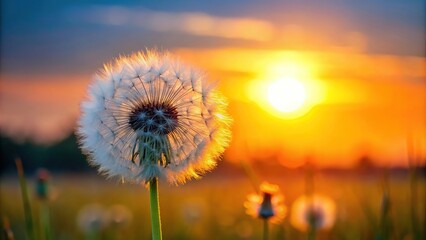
[
  {"x": 45, "y": 220},
  {"x": 311, "y": 233},
  {"x": 92, "y": 235},
  {"x": 155, "y": 209},
  {"x": 265, "y": 229},
  {"x": 26, "y": 201}
]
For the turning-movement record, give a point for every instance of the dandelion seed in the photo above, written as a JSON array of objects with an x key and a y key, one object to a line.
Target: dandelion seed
[
  {"x": 315, "y": 211},
  {"x": 149, "y": 116},
  {"x": 268, "y": 205}
]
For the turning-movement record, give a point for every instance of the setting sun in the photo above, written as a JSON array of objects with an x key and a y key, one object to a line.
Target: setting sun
[
  {"x": 287, "y": 86},
  {"x": 286, "y": 95}
]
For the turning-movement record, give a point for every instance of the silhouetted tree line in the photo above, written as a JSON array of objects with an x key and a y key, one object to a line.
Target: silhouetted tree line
[
  {"x": 66, "y": 156},
  {"x": 62, "y": 156}
]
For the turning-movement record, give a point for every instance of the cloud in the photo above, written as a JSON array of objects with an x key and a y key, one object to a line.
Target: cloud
[{"x": 195, "y": 23}]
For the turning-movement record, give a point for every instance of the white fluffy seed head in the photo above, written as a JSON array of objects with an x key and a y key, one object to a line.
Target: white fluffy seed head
[{"x": 148, "y": 115}]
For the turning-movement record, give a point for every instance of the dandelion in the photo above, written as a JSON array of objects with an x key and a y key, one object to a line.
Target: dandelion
[
  {"x": 268, "y": 205},
  {"x": 119, "y": 216},
  {"x": 42, "y": 184},
  {"x": 149, "y": 117},
  {"x": 91, "y": 220},
  {"x": 312, "y": 213}
]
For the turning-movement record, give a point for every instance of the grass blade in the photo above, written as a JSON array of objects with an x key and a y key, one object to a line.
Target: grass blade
[{"x": 29, "y": 221}]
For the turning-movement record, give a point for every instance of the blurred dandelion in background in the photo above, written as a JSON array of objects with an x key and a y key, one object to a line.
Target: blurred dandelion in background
[
  {"x": 313, "y": 212},
  {"x": 267, "y": 205},
  {"x": 92, "y": 219},
  {"x": 119, "y": 216},
  {"x": 42, "y": 188},
  {"x": 119, "y": 219}
]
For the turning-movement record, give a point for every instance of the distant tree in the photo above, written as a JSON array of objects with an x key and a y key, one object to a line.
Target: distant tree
[
  {"x": 62, "y": 156},
  {"x": 365, "y": 163}
]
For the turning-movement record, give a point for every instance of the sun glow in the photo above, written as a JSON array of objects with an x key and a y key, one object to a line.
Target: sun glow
[
  {"x": 287, "y": 95},
  {"x": 288, "y": 87}
]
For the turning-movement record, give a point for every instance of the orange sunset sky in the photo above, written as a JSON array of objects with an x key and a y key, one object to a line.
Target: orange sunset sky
[{"x": 362, "y": 71}]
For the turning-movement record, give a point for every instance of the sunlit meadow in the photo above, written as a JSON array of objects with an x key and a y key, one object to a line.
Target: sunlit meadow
[
  {"x": 274, "y": 120},
  {"x": 213, "y": 207}
]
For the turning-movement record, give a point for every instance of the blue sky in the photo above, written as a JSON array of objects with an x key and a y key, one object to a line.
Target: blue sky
[{"x": 56, "y": 36}]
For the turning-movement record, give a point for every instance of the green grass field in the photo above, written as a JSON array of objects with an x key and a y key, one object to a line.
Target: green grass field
[{"x": 212, "y": 208}]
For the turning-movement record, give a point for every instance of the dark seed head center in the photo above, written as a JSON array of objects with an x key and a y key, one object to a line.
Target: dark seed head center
[
  {"x": 266, "y": 210},
  {"x": 155, "y": 118}
]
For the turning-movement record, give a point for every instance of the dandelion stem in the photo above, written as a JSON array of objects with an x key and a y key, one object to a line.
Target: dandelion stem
[
  {"x": 155, "y": 209},
  {"x": 26, "y": 201},
  {"x": 265, "y": 229},
  {"x": 92, "y": 235},
  {"x": 311, "y": 233}
]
